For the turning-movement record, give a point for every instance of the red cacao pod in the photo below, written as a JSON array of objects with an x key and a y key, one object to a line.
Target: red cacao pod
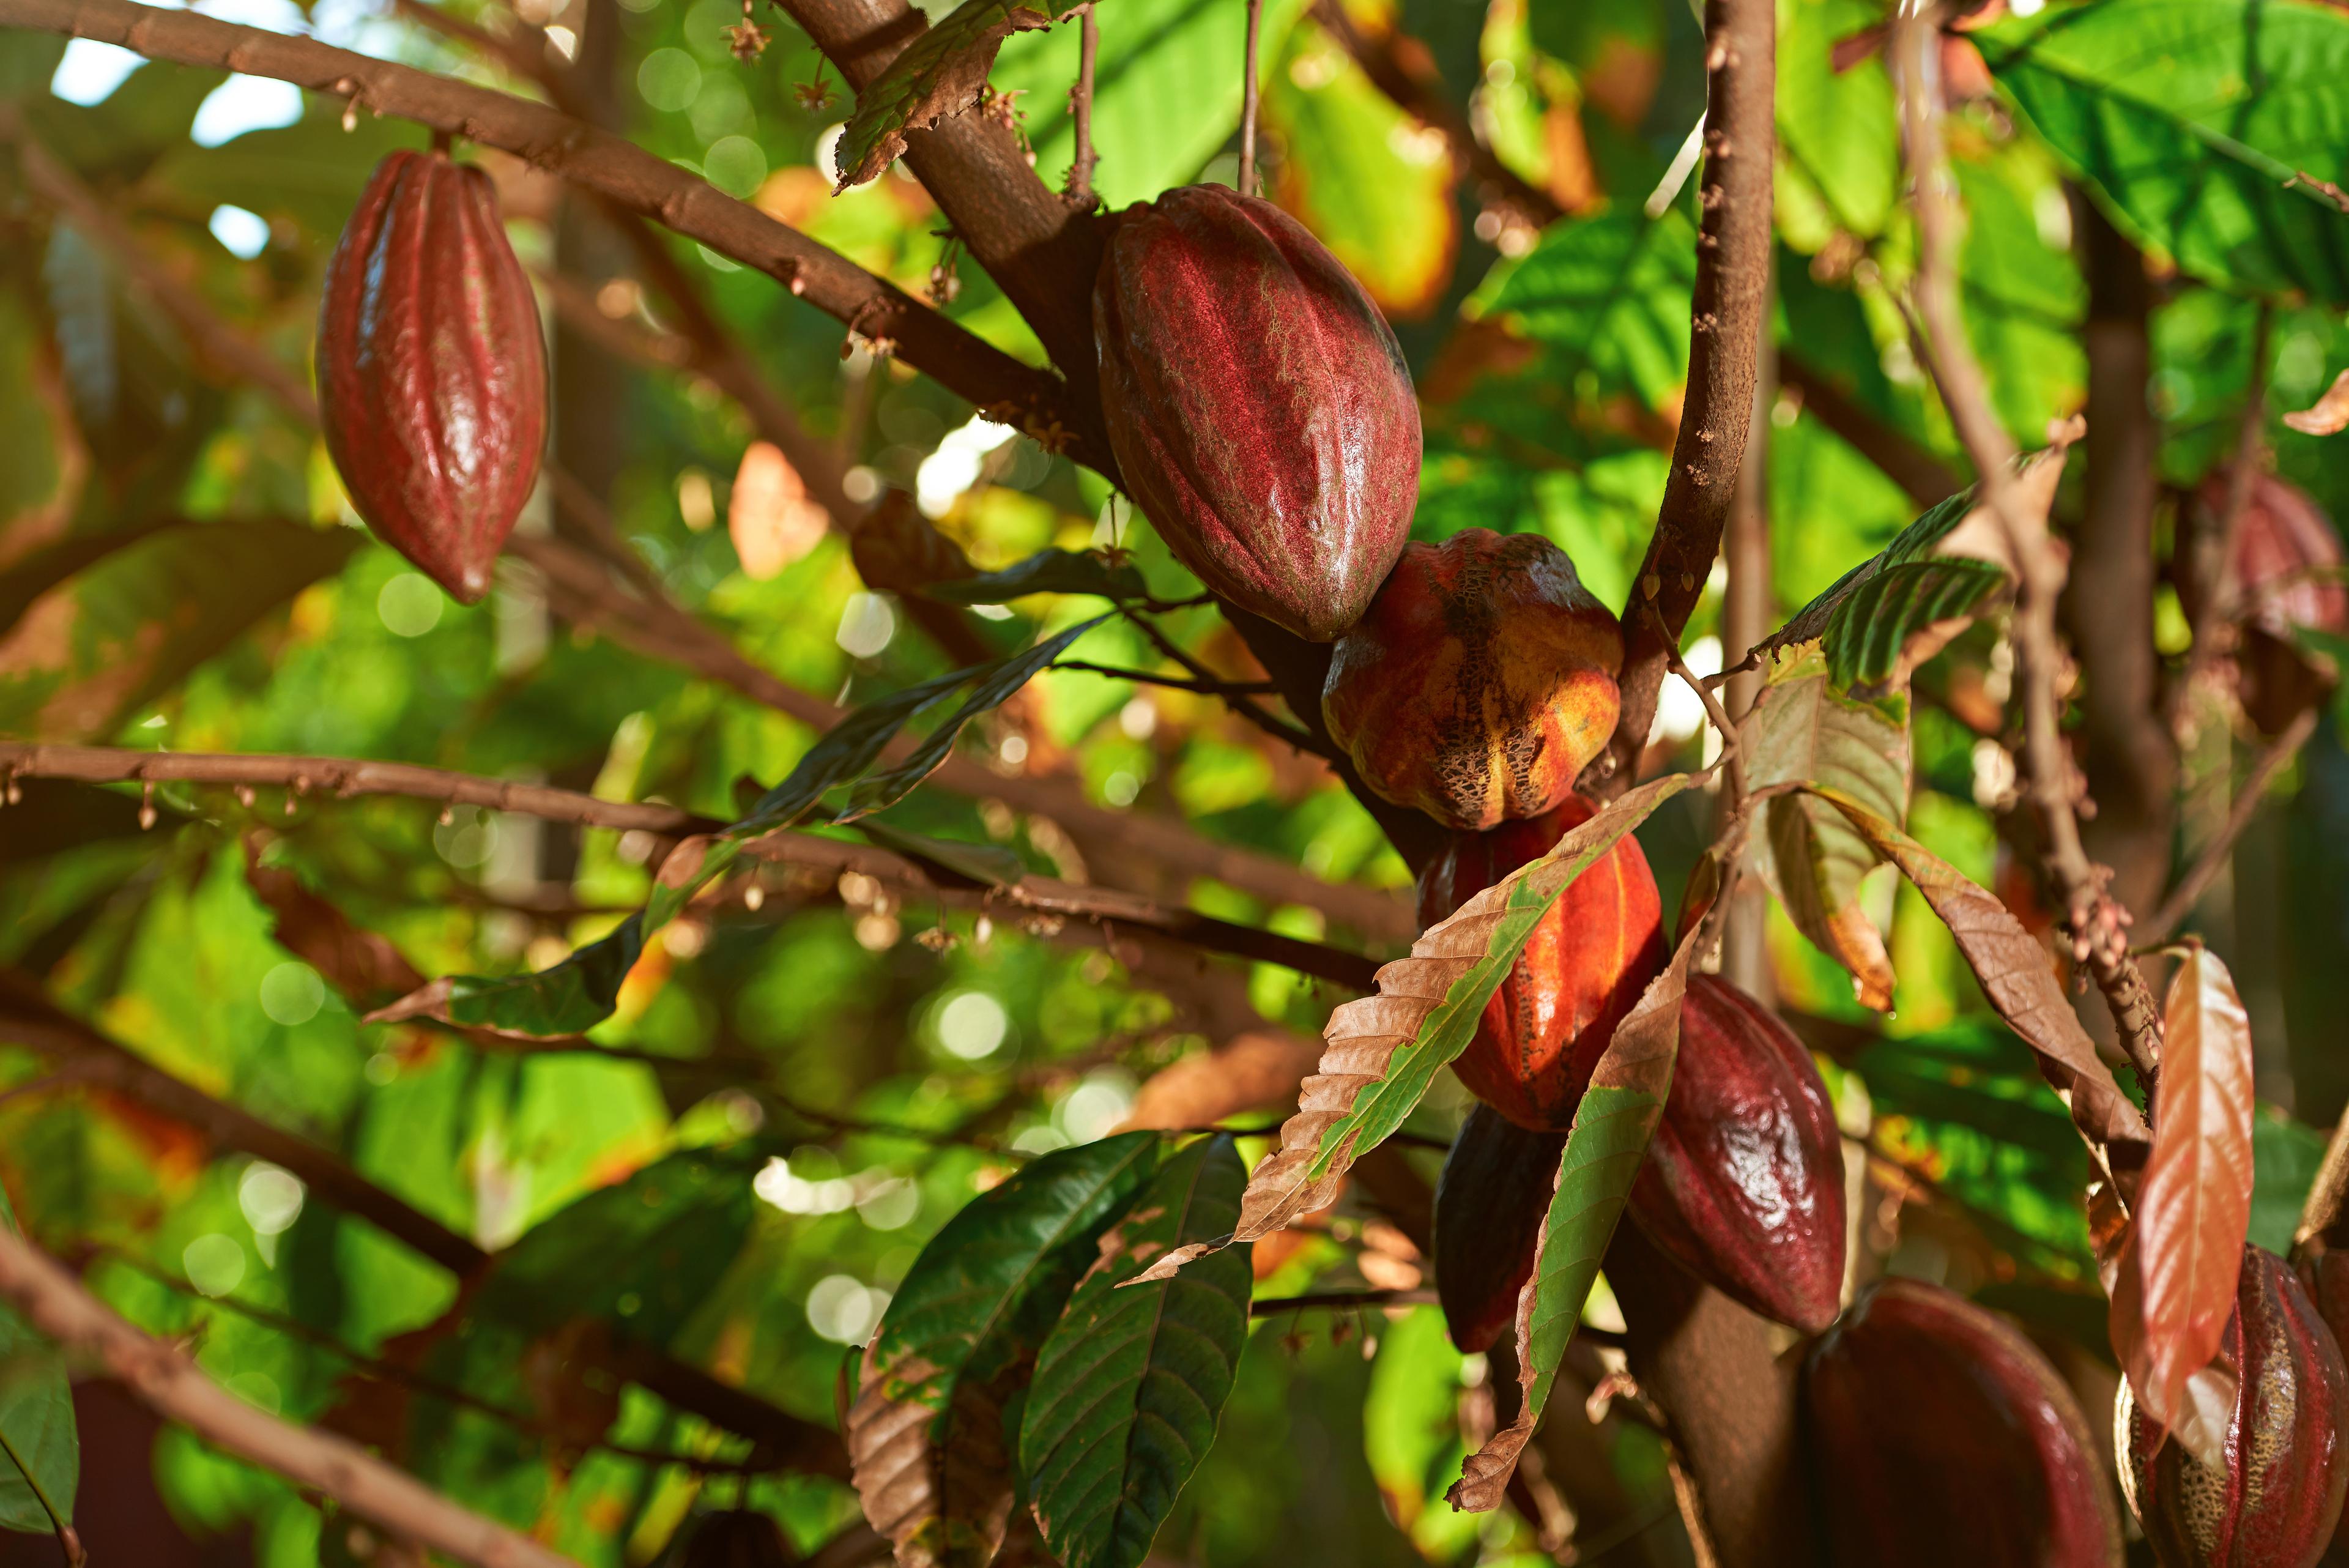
[
  {"x": 432, "y": 372},
  {"x": 1743, "y": 1179},
  {"x": 1584, "y": 965},
  {"x": 1258, "y": 406},
  {"x": 1490, "y": 1203},
  {"x": 1480, "y": 683},
  {"x": 2278, "y": 1499},
  {"x": 1937, "y": 1434},
  {"x": 2284, "y": 545}
]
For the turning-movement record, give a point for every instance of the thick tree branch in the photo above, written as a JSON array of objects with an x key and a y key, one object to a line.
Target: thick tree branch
[
  {"x": 1732, "y": 272},
  {"x": 54, "y": 1302},
  {"x": 28, "y": 1018},
  {"x": 2098, "y": 926},
  {"x": 620, "y": 171},
  {"x": 1039, "y": 896}
]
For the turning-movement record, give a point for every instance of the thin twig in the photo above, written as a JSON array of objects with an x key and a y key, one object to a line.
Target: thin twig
[
  {"x": 2329, "y": 1193},
  {"x": 1719, "y": 716},
  {"x": 1080, "y": 189},
  {"x": 1247, "y": 708},
  {"x": 2215, "y": 554},
  {"x": 175, "y": 1387},
  {"x": 1248, "y": 99},
  {"x": 1206, "y": 687},
  {"x": 2097, "y": 923},
  {"x": 1341, "y": 1301},
  {"x": 2212, "y": 858}
]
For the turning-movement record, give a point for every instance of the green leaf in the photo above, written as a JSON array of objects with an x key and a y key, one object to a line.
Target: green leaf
[
  {"x": 993, "y": 865},
  {"x": 91, "y": 651},
  {"x": 1879, "y": 630},
  {"x": 1841, "y": 129},
  {"x": 40, "y": 1446},
  {"x": 927, "y": 1444},
  {"x": 940, "y": 73},
  {"x": 1803, "y": 730},
  {"x": 574, "y": 995},
  {"x": 1381, "y": 1053},
  {"x": 1045, "y": 572},
  {"x": 1129, "y": 1384},
  {"x": 2190, "y": 118}
]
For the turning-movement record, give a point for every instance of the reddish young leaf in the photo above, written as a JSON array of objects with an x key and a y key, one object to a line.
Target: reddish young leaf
[
  {"x": 2194, "y": 1207},
  {"x": 2329, "y": 415}
]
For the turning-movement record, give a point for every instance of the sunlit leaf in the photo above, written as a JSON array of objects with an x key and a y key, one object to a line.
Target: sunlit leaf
[
  {"x": 2329, "y": 415},
  {"x": 1129, "y": 1383},
  {"x": 40, "y": 1445},
  {"x": 926, "y": 1436}
]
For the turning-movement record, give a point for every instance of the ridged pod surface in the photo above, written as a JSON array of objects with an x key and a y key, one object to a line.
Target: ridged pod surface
[
  {"x": 1489, "y": 1205},
  {"x": 1743, "y": 1179},
  {"x": 1259, "y": 405},
  {"x": 2276, "y": 1501},
  {"x": 1584, "y": 965},
  {"x": 1938, "y": 1437},
  {"x": 431, "y": 370},
  {"x": 1480, "y": 681}
]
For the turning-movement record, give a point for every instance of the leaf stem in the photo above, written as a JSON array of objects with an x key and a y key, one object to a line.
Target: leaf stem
[
  {"x": 68, "y": 1537},
  {"x": 1248, "y": 99}
]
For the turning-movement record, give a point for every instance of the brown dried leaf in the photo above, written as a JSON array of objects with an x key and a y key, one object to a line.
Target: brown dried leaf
[
  {"x": 2329, "y": 415},
  {"x": 363, "y": 965},
  {"x": 1262, "y": 1067},
  {"x": 2018, "y": 976},
  {"x": 2194, "y": 1205}
]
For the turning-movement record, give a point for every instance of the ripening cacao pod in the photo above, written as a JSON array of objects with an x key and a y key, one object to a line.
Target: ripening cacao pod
[
  {"x": 1937, "y": 1434},
  {"x": 432, "y": 372},
  {"x": 1743, "y": 1179},
  {"x": 1490, "y": 1203},
  {"x": 1258, "y": 406},
  {"x": 1480, "y": 681},
  {"x": 1584, "y": 965},
  {"x": 2278, "y": 1500},
  {"x": 735, "y": 1538}
]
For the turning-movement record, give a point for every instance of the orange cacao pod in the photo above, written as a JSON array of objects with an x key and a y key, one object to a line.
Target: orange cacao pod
[
  {"x": 432, "y": 372},
  {"x": 1258, "y": 406},
  {"x": 1584, "y": 965},
  {"x": 1489, "y": 1206},
  {"x": 2278, "y": 1500},
  {"x": 1743, "y": 1179},
  {"x": 1480, "y": 681},
  {"x": 1937, "y": 1434}
]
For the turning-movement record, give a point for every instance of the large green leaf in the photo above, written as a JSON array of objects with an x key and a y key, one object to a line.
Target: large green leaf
[
  {"x": 40, "y": 1446},
  {"x": 927, "y": 1438},
  {"x": 579, "y": 992},
  {"x": 1128, "y": 1385},
  {"x": 92, "y": 650},
  {"x": 1803, "y": 729},
  {"x": 2190, "y": 118},
  {"x": 1838, "y": 130}
]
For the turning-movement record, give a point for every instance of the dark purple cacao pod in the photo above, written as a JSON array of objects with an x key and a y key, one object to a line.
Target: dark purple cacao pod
[
  {"x": 1583, "y": 968},
  {"x": 1938, "y": 1435},
  {"x": 1489, "y": 1206},
  {"x": 1743, "y": 1179},
  {"x": 1479, "y": 682},
  {"x": 1258, "y": 406},
  {"x": 2276, "y": 1501},
  {"x": 431, "y": 371}
]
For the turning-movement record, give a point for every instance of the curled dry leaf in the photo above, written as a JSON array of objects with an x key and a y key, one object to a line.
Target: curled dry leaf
[
  {"x": 1382, "y": 1051},
  {"x": 2329, "y": 415},
  {"x": 2193, "y": 1210},
  {"x": 1262, "y": 1067}
]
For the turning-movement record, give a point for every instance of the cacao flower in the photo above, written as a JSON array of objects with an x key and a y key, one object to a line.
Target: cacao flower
[
  {"x": 2278, "y": 1501},
  {"x": 1584, "y": 965},
  {"x": 1743, "y": 1179},
  {"x": 431, "y": 373},
  {"x": 1937, "y": 1434},
  {"x": 1490, "y": 1203},
  {"x": 1480, "y": 681},
  {"x": 1258, "y": 406}
]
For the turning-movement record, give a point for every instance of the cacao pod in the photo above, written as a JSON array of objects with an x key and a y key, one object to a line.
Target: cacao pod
[
  {"x": 1743, "y": 1179},
  {"x": 1937, "y": 1434},
  {"x": 1489, "y": 1206},
  {"x": 1584, "y": 965},
  {"x": 2278, "y": 1500},
  {"x": 1258, "y": 406},
  {"x": 431, "y": 373},
  {"x": 1480, "y": 681}
]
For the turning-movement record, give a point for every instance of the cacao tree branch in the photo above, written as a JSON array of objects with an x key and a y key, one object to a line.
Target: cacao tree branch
[
  {"x": 2097, "y": 924},
  {"x": 1038, "y": 897},
  {"x": 55, "y": 1302},
  {"x": 1080, "y": 189},
  {"x": 1726, "y": 318},
  {"x": 632, "y": 178},
  {"x": 2213, "y": 857},
  {"x": 28, "y": 1019}
]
